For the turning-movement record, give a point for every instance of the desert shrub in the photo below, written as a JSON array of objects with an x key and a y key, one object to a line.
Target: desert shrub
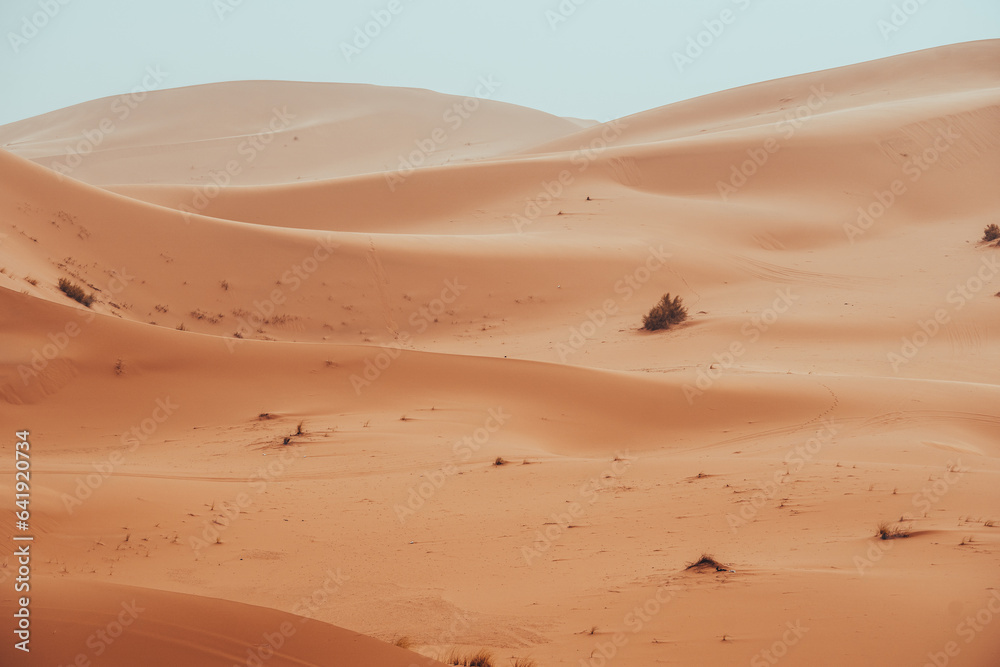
[
  {"x": 707, "y": 562},
  {"x": 665, "y": 314},
  {"x": 886, "y": 531},
  {"x": 481, "y": 658},
  {"x": 75, "y": 292},
  {"x": 991, "y": 233}
]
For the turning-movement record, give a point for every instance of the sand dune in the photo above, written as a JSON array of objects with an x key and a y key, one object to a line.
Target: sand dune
[
  {"x": 300, "y": 380},
  {"x": 277, "y": 131},
  {"x": 150, "y": 627}
]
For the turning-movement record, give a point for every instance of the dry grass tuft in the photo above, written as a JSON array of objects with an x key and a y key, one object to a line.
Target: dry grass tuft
[
  {"x": 887, "y": 531},
  {"x": 75, "y": 292},
  {"x": 707, "y": 562},
  {"x": 665, "y": 314},
  {"x": 481, "y": 658},
  {"x": 991, "y": 233}
]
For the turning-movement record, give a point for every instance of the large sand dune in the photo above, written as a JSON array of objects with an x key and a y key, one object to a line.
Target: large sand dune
[{"x": 283, "y": 407}]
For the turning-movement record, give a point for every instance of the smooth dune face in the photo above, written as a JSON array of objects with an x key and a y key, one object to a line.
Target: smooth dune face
[{"x": 275, "y": 429}]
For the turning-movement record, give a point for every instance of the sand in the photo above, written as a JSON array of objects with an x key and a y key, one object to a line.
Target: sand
[{"x": 323, "y": 312}]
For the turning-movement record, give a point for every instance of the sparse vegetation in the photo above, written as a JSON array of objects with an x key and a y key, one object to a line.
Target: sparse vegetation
[
  {"x": 31, "y": 281},
  {"x": 181, "y": 327},
  {"x": 665, "y": 314},
  {"x": 119, "y": 367},
  {"x": 224, "y": 284},
  {"x": 481, "y": 658},
  {"x": 706, "y": 562},
  {"x": 403, "y": 642},
  {"x": 886, "y": 531},
  {"x": 523, "y": 662},
  {"x": 75, "y": 292},
  {"x": 298, "y": 429},
  {"x": 991, "y": 233},
  {"x": 500, "y": 461},
  {"x": 202, "y": 315}
]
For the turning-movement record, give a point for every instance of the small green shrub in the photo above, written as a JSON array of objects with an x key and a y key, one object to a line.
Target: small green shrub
[
  {"x": 665, "y": 314},
  {"x": 75, "y": 292}
]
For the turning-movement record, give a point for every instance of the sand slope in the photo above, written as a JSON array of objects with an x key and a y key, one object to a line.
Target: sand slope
[
  {"x": 313, "y": 370},
  {"x": 277, "y": 131},
  {"x": 108, "y": 623}
]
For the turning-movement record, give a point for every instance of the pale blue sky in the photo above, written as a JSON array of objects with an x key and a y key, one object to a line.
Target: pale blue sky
[{"x": 607, "y": 59}]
